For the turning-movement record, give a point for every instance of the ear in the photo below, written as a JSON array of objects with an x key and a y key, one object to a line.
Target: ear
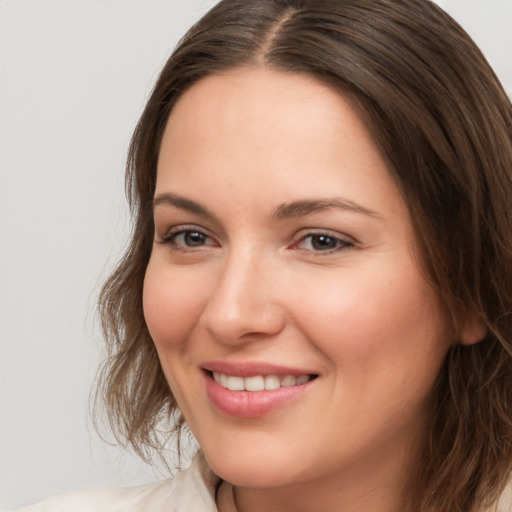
[{"x": 473, "y": 330}]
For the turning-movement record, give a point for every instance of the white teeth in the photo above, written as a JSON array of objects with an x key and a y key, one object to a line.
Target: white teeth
[
  {"x": 254, "y": 383},
  {"x": 235, "y": 383},
  {"x": 289, "y": 380},
  {"x": 302, "y": 379},
  {"x": 272, "y": 382},
  {"x": 258, "y": 382}
]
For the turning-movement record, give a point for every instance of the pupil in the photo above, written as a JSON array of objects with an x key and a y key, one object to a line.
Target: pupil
[
  {"x": 323, "y": 242},
  {"x": 193, "y": 239}
]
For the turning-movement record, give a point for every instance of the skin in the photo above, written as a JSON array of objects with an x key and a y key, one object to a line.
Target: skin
[{"x": 255, "y": 287}]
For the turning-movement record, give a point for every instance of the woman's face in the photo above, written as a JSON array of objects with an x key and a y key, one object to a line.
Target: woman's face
[{"x": 283, "y": 295}]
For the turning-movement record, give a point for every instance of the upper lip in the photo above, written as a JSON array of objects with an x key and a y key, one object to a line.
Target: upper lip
[{"x": 252, "y": 368}]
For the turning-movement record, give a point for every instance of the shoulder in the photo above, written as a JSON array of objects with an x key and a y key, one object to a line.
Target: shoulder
[
  {"x": 101, "y": 500},
  {"x": 192, "y": 489}
]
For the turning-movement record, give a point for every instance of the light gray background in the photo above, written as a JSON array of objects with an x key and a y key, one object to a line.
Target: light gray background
[{"x": 74, "y": 75}]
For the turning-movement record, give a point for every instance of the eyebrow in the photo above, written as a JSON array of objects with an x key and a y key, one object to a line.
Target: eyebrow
[
  {"x": 299, "y": 208},
  {"x": 307, "y": 206},
  {"x": 183, "y": 203}
]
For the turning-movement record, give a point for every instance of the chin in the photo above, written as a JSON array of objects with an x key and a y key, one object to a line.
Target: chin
[{"x": 255, "y": 471}]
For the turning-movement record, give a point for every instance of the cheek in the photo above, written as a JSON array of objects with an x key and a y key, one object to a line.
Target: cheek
[
  {"x": 172, "y": 304},
  {"x": 384, "y": 344},
  {"x": 382, "y": 321}
]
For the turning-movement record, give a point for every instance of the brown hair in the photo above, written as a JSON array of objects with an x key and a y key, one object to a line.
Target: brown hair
[{"x": 443, "y": 121}]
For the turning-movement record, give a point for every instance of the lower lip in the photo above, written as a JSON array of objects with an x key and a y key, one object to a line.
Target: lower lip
[{"x": 251, "y": 404}]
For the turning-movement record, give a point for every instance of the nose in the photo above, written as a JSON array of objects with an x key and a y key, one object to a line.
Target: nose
[{"x": 245, "y": 303}]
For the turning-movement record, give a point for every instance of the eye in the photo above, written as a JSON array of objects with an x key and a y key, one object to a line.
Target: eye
[
  {"x": 187, "y": 239},
  {"x": 322, "y": 242},
  {"x": 190, "y": 238}
]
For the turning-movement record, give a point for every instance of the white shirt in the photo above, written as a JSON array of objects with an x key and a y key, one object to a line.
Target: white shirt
[{"x": 192, "y": 490}]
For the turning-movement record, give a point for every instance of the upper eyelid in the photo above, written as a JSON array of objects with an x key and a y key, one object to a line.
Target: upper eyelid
[
  {"x": 177, "y": 228},
  {"x": 305, "y": 232},
  {"x": 343, "y": 241},
  {"x": 164, "y": 222},
  {"x": 170, "y": 234}
]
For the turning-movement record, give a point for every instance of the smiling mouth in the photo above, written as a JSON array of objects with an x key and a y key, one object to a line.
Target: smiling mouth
[{"x": 259, "y": 382}]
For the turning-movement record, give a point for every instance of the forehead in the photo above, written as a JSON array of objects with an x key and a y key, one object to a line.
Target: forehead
[
  {"x": 247, "y": 87},
  {"x": 282, "y": 118}
]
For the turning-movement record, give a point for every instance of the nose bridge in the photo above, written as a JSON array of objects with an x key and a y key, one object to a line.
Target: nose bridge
[{"x": 244, "y": 302}]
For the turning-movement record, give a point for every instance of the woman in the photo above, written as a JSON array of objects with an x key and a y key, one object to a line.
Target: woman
[{"x": 319, "y": 279}]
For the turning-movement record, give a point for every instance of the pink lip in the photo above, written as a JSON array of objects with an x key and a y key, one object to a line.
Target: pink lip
[
  {"x": 251, "y": 404},
  {"x": 250, "y": 369}
]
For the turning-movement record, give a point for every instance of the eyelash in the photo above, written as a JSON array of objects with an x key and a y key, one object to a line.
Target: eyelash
[
  {"x": 340, "y": 243},
  {"x": 171, "y": 237}
]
